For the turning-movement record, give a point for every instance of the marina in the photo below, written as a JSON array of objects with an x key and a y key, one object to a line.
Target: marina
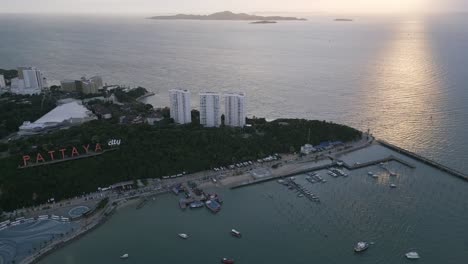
[{"x": 283, "y": 206}]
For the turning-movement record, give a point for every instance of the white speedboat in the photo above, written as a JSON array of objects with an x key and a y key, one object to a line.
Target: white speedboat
[
  {"x": 235, "y": 233},
  {"x": 393, "y": 173},
  {"x": 184, "y": 236},
  {"x": 412, "y": 255},
  {"x": 124, "y": 256},
  {"x": 393, "y": 185},
  {"x": 370, "y": 173},
  {"x": 361, "y": 246}
]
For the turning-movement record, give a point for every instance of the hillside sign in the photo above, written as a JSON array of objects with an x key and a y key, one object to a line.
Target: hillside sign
[{"x": 68, "y": 153}]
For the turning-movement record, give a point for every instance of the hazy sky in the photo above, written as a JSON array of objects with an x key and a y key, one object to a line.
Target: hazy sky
[{"x": 205, "y": 6}]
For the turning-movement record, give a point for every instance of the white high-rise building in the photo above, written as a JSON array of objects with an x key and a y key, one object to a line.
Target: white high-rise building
[
  {"x": 2, "y": 82},
  {"x": 32, "y": 77},
  {"x": 234, "y": 104},
  {"x": 180, "y": 109},
  {"x": 30, "y": 81},
  {"x": 209, "y": 109}
]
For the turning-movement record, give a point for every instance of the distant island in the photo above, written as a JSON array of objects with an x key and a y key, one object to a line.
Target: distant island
[
  {"x": 343, "y": 20},
  {"x": 264, "y": 22},
  {"x": 227, "y": 15}
]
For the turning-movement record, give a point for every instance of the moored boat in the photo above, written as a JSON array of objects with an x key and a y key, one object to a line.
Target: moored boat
[
  {"x": 227, "y": 261},
  {"x": 412, "y": 255},
  {"x": 361, "y": 246},
  {"x": 235, "y": 233},
  {"x": 182, "y": 235},
  {"x": 393, "y": 185},
  {"x": 124, "y": 256}
]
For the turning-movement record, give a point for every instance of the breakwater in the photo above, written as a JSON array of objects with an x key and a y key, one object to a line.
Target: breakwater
[{"x": 424, "y": 160}]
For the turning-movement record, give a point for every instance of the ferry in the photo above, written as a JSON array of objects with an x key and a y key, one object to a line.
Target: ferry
[
  {"x": 235, "y": 233},
  {"x": 361, "y": 246},
  {"x": 213, "y": 206},
  {"x": 412, "y": 255},
  {"x": 227, "y": 261},
  {"x": 124, "y": 256}
]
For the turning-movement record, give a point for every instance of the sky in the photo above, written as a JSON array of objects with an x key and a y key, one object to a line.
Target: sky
[{"x": 248, "y": 6}]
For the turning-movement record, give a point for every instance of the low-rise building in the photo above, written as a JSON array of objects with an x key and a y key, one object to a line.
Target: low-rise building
[
  {"x": 65, "y": 115},
  {"x": 84, "y": 85},
  {"x": 307, "y": 149}
]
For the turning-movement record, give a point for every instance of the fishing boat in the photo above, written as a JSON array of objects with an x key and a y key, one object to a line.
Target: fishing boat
[
  {"x": 227, "y": 261},
  {"x": 235, "y": 233},
  {"x": 361, "y": 246},
  {"x": 183, "y": 236},
  {"x": 124, "y": 256},
  {"x": 412, "y": 255}
]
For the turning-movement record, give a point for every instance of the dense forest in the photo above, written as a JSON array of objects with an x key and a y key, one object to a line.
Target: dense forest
[
  {"x": 149, "y": 151},
  {"x": 14, "y": 109}
]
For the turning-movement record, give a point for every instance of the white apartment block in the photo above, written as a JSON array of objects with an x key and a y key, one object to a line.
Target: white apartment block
[
  {"x": 234, "y": 104},
  {"x": 209, "y": 109},
  {"x": 180, "y": 108},
  {"x": 30, "y": 81},
  {"x": 2, "y": 82}
]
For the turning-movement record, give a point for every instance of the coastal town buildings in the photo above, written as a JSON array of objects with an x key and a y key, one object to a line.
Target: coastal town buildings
[
  {"x": 234, "y": 104},
  {"x": 180, "y": 109},
  {"x": 209, "y": 109},
  {"x": 84, "y": 85},
  {"x": 29, "y": 81}
]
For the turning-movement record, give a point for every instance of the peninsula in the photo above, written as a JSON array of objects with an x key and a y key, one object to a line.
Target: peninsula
[{"x": 227, "y": 15}]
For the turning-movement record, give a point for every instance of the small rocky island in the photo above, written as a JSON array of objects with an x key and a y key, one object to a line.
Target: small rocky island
[
  {"x": 343, "y": 20},
  {"x": 228, "y": 15},
  {"x": 264, "y": 22}
]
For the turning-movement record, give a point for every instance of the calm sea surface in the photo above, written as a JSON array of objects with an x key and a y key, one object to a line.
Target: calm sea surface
[{"x": 405, "y": 79}]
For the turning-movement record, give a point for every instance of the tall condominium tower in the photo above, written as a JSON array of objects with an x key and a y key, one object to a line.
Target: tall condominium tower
[
  {"x": 234, "y": 104},
  {"x": 209, "y": 109},
  {"x": 180, "y": 106}
]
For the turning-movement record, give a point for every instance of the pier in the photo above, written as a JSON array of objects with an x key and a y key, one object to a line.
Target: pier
[
  {"x": 328, "y": 166},
  {"x": 424, "y": 160}
]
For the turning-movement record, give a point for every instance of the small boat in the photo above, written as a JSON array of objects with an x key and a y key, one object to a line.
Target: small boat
[
  {"x": 227, "y": 261},
  {"x": 393, "y": 185},
  {"x": 184, "y": 236},
  {"x": 393, "y": 173},
  {"x": 124, "y": 256},
  {"x": 300, "y": 195},
  {"x": 235, "y": 233},
  {"x": 370, "y": 173},
  {"x": 280, "y": 181},
  {"x": 412, "y": 255},
  {"x": 361, "y": 246}
]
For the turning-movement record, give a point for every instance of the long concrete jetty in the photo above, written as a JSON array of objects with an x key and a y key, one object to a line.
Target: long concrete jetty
[{"x": 424, "y": 160}]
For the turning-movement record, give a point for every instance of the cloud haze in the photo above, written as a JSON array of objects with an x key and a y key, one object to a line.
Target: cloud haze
[{"x": 206, "y": 6}]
